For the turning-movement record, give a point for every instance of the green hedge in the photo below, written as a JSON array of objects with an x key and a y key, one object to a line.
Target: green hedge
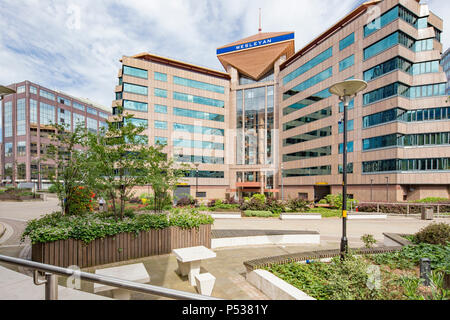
[
  {"x": 88, "y": 227},
  {"x": 261, "y": 214}
]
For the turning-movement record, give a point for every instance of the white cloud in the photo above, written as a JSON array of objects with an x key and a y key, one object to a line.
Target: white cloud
[{"x": 76, "y": 46}]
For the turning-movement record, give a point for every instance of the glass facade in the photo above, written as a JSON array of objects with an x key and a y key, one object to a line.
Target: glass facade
[
  {"x": 255, "y": 125},
  {"x": 33, "y": 111},
  {"x": 78, "y": 120},
  {"x": 325, "y": 55},
  {"x": 47, "y": 113},
  {"x": 409, "y": 140},
  {"x": 243, "y": 80},
  {"x": 91, "y": 111},
  {"x": 403, "y": 165},
  {"x": 47, "y": 95},
  {"x": 324, "y": 113},
  {"x": 137, "y": 122},
  {"x": 21, "y": 148},
  {"x": 135, "y": 72},
  {"x": 309, "y": 83},
  {"x": 347, "y": 41},
  {"x": 65, "y": 118},
  {"x": 198, "y": 84},
  {"x": 198, "y": 114},
  {"x": 8, "y": 149},
  {"x": 21, "y": 118},
  {"x": 134, "y": 88},
  {"x": 199, "y": 100},
  {"x": 65, "y": 101},
  {"x": 312, "y": 153},
  {"x": 135, "y": 105},
  {"x": 78, "y": 106},
  {"x": 92, "y": 125},
  {"x": 312, "y": 135}
]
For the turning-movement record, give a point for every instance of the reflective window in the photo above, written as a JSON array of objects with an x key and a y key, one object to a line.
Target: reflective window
[
  {"x": 347, "y": 63},
  {"x": 135, "y": 72},
  {"x": 198, "y": 114},
  {"x": 160, "y": 76},
  {"x": 307, "y": 101},
  {"x": 135, "y": 105},
  {"x": 305, "y": 172},
  {"x": 160, "y": 108},
  {"x": 312, "y": 117},
  {"x": 161, "y": 140},
  {"x": 309, "y": 83},
  {"x": 347, "y": 41},
  {"x": 92, "y": 125},
  {"x": 198, "y": 129},
  {"x": 199, "y": 100},
  {"x": 137, "y": 122},
  {"x": 350, "y": 126},
  {"x": 47, "y": 95},
  {"x": 312, "y": 153},
  {"x": 8, "y": 149},
  {"x": 91, "y": 111},
  {"x": 47, "y": 113},
  {"x": 308, "y": 65},
  {"x": 401, "y": 165},
  {"x": 33, "y": 90},
  {"x": 198, "y": 144},
  {"x": 134, "y": 88},
  {"x": 198, "y": 84},
  {"x": 160, "y": 93},
  {"x": 78, "y": 106},
  {"x": 78, "y": 120},
  {"x": 199, "y": 159},
  {"x": 21, "y": 148},
  {"x": 21, "y": 117},
  {"x": 8, "y": 119},
  {"x": 161, "y": 125},
  {"x": 65, "y": 118},
  {"x": 33, "y": 111},
  {"x": 349, "y": 147},
  {"x": 312, "y": 135}
]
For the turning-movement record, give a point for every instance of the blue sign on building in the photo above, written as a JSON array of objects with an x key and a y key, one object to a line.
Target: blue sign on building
[{"x": 255, "y": 44}]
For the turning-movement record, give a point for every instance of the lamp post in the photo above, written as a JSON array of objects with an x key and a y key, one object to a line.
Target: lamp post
[{"x": 346, "y": 91}]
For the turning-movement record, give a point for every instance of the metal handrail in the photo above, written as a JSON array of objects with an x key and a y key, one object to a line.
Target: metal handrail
[{"x": 111, "y": 281}]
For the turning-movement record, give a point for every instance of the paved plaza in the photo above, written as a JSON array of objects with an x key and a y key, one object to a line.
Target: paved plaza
[{"x": 228, "y": 266}]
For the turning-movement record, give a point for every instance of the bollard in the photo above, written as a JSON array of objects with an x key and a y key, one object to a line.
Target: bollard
[
  {"x": 425, "y": 271},
  {"x": 51, "y": 286}
]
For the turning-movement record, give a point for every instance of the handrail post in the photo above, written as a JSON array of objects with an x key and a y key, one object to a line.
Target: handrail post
[{"x": 51, "y": 286}]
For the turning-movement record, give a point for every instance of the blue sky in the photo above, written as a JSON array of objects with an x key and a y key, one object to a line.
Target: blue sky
[{"x": 75, "y": 46}]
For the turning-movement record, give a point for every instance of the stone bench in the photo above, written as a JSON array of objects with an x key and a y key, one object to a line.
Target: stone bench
[
  {"x": 189, "y": 261},
  {"x": 205, "y": 283},
  {"x": 131, "y": 272}
]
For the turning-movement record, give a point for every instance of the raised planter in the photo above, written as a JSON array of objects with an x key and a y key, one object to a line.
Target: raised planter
[
  {"x": 395, "y": 239},
  {"x": 300, "y": 216},
  {"x": 226, "y": 215},
  {"x": 366, "y": 216},
  {"x": 121, "y": 247}
]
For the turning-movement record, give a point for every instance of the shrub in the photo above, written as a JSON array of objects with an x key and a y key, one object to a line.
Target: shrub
[
  {"x": 433, "y": 200},
  {"x": 368, "y": 240},
  {"x": 435, "y": 233},
  {"x": 275, "y": 206},
  {"x": 323, "y": 201},
  {"x": 261, "y": 214},
  {"x": 298, "y": 205},
  {"x": 335, "y": 201},
  {"x": 253, "y": 204},
  {"x": 52, "y": 189},
  {"x": 185, "y": 202},
  {"x": 259, "y": 197}
]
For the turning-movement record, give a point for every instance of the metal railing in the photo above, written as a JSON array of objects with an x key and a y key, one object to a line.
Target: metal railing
[{"x": 50, "y": 274}]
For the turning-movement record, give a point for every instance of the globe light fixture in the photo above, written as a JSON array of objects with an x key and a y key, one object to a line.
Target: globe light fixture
[{"x": 346, "y": 91}]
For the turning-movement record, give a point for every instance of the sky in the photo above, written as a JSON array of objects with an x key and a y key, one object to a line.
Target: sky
[{"x": 75, "y": 46}]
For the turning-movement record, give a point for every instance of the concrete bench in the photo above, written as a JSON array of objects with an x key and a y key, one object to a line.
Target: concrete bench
[
  {"x": 131, "y": 272},
  {"x": 205, "y": 283},
  {"x": 189, "y": 261}
]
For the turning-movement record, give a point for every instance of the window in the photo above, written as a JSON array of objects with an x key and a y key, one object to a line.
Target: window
[
  {"x": 135, "y": 105},
  {"x": 199, "y": 100},
  {"x": 160, "y": 109},
  {"x": 137, "y": 122},
  {"x": 351, "y": 106},
  {"x": 243, "y": 80},
  {"x": 64, "y": 101},
  {"x": 33, "y": 111},
  {"x": 92, "y": 125},
  {"x": 20, "y": 89},
  {"x": 313, "y": 135},
  {"x": 198, "y": 84},
  {"x": 198, "y": 129},
  {"x": 307, "y": 101},
  {"x": 160, "y": 125},
  {"x": 8, "y": 149},
  {"x": 136, "y": 89},
  {"x": 349, "y": 169},
  {"x": 349, "y": 147},
  {"x": 198, "y": 144},
  {"x": 78, "y": 120},
  {"x": 350, "y": 126},
  {"x": 309, "y": 83},
  {"x": 161, "y": 140},
  {"x": 199, "y": 159},
  {"x": 308, "y": 65},
  {"x": 347, "y": 41},
  {"x": 21, "y": 117},
  {"x": 160, "y": 93},
  {"x": 198, "y": 114},
  {"x": 78, "y": 106},
  {"x": 312, "y": 117},
  {"x": 91, "y": 111},
  {"x": 347, "y": 63},
  {"x": 380, "y": 142},
  {"x": 381, "y": 21},
  {"x": 8, "y": 119},
  {"x": 102, "y": 115},
  {"x": 64, "y": 118},
  {"x": 33, "y": 90},
  {"x": 307, "y": 172},
  {"x": 47, "y": 114},
  {"x": 206, "y": 174},
  {"x": 403, "y": 165},
  {"x": 47, "y": 95},
  {"x": 160, "y": 76},
  {"x": 21, "y": 148},
  {"x": 312, "y": 153},
  {"x": 135, "y": 72}
]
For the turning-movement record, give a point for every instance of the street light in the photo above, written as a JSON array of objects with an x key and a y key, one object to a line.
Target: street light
[{"x": 346, "y": 91}]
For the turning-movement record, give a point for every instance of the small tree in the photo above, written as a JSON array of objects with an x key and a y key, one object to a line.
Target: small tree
[{"x": 71, "y": 173}]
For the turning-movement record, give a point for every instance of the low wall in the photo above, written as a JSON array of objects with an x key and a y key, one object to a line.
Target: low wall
[{"x": 121, "y": 247}]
